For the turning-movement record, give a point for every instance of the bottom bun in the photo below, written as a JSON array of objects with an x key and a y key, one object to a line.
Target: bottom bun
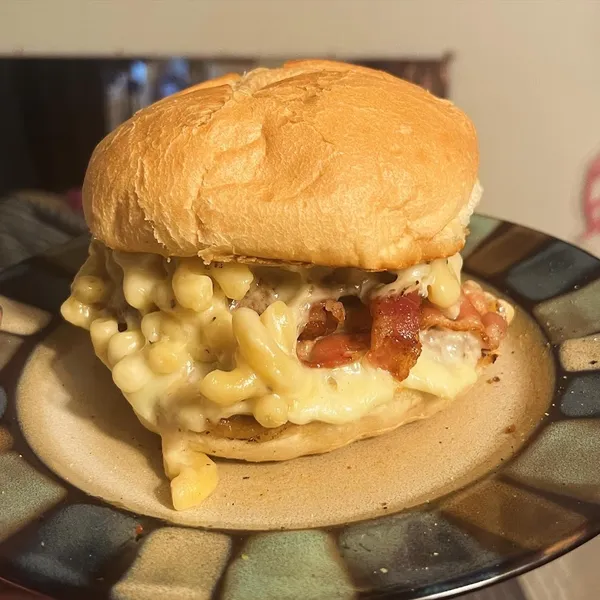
[{"x": 291, "y": 441}]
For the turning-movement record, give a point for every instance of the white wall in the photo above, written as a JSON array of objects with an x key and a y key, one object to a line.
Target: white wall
[{"x": 527, "y": 72}]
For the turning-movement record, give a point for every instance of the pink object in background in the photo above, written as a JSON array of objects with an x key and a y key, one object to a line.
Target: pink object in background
[
  {"x": 591, "y": 199},
  {"x": 74, "y": 199},
  {"x": 590, "y": 240}
]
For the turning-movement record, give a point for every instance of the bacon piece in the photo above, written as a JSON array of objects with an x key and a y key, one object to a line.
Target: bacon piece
[
  {"x": 394, "y": 340},
  {"x": 477, "y": 315},
  {"x": 495, "y": 328},
  {"x": 468, "y": 318},
  {"x": 358, "y": 317},
  {"x": 333, "y": 350},
  {"x": 468, "y": 311},
  {"x": 395, "y": 344},
  {"x": 483, "y": 301},
  {"x": 340, "y": 333},
  {"x": 323, "y": 318}
]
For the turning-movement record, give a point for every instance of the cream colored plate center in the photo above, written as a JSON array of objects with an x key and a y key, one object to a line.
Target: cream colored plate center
[{"x": 83, "y": 429}]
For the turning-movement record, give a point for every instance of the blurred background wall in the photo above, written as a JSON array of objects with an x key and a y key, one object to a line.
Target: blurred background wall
[{"x": 526, "y": 71}]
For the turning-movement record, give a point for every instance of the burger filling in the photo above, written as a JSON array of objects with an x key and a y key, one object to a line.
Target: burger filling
[{"x": 238, "y": 350}]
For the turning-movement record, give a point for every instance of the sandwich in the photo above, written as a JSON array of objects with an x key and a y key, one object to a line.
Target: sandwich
[{"x": 274, "y": 268}]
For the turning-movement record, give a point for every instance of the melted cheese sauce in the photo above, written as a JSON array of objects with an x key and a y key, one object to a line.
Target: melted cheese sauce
[
  {"x": 438, "y": 280},
  {"x": 447, "y": 364},
  {"x": 189, "y": 343},
  {"x": 176, "y": 317}
]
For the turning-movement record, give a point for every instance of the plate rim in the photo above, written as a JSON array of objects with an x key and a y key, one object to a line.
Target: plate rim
[{"x": 515, "y": 566}]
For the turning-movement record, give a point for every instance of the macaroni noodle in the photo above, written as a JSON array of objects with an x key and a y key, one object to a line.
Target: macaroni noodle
[
  {"x": 228, "y": 387},
  {"x": 193, "y": 289},
  {"x": 233, "y": 279},
  {"x": 193, "y": 475},
  {"x": 122, "y": 344}
]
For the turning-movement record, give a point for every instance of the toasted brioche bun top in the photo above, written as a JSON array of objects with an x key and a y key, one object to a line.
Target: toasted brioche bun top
[{"x": 314, "y": 162}]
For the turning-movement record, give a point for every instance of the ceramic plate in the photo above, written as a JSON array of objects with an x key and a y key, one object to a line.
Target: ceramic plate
[{"x": 502, "y": 480}]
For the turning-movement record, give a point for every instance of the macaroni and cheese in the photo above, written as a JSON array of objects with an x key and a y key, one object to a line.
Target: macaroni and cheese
[{"x": 191, "y": 344}]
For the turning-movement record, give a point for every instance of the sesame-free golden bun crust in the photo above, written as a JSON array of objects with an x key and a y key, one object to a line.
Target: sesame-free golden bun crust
[{"x": 314, "y": 162}]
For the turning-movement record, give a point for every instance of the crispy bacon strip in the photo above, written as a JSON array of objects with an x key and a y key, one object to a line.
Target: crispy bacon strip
[
  {"x": 477, "y": 315},
  {"x": 358, "y": 317},
  {"x": 392, "y": 344},
  {"x": 395, "y": 344},
  {"x": 333, "y": 350},
  {"x": 323, "y": 319},
  {"x": 482, "y": 301},
  {"x": 320, "y": 346},
  {"x": 495, "y": 326},
  {"x": 468, "y": 318},
  {"x": 388, "y": 331}
]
